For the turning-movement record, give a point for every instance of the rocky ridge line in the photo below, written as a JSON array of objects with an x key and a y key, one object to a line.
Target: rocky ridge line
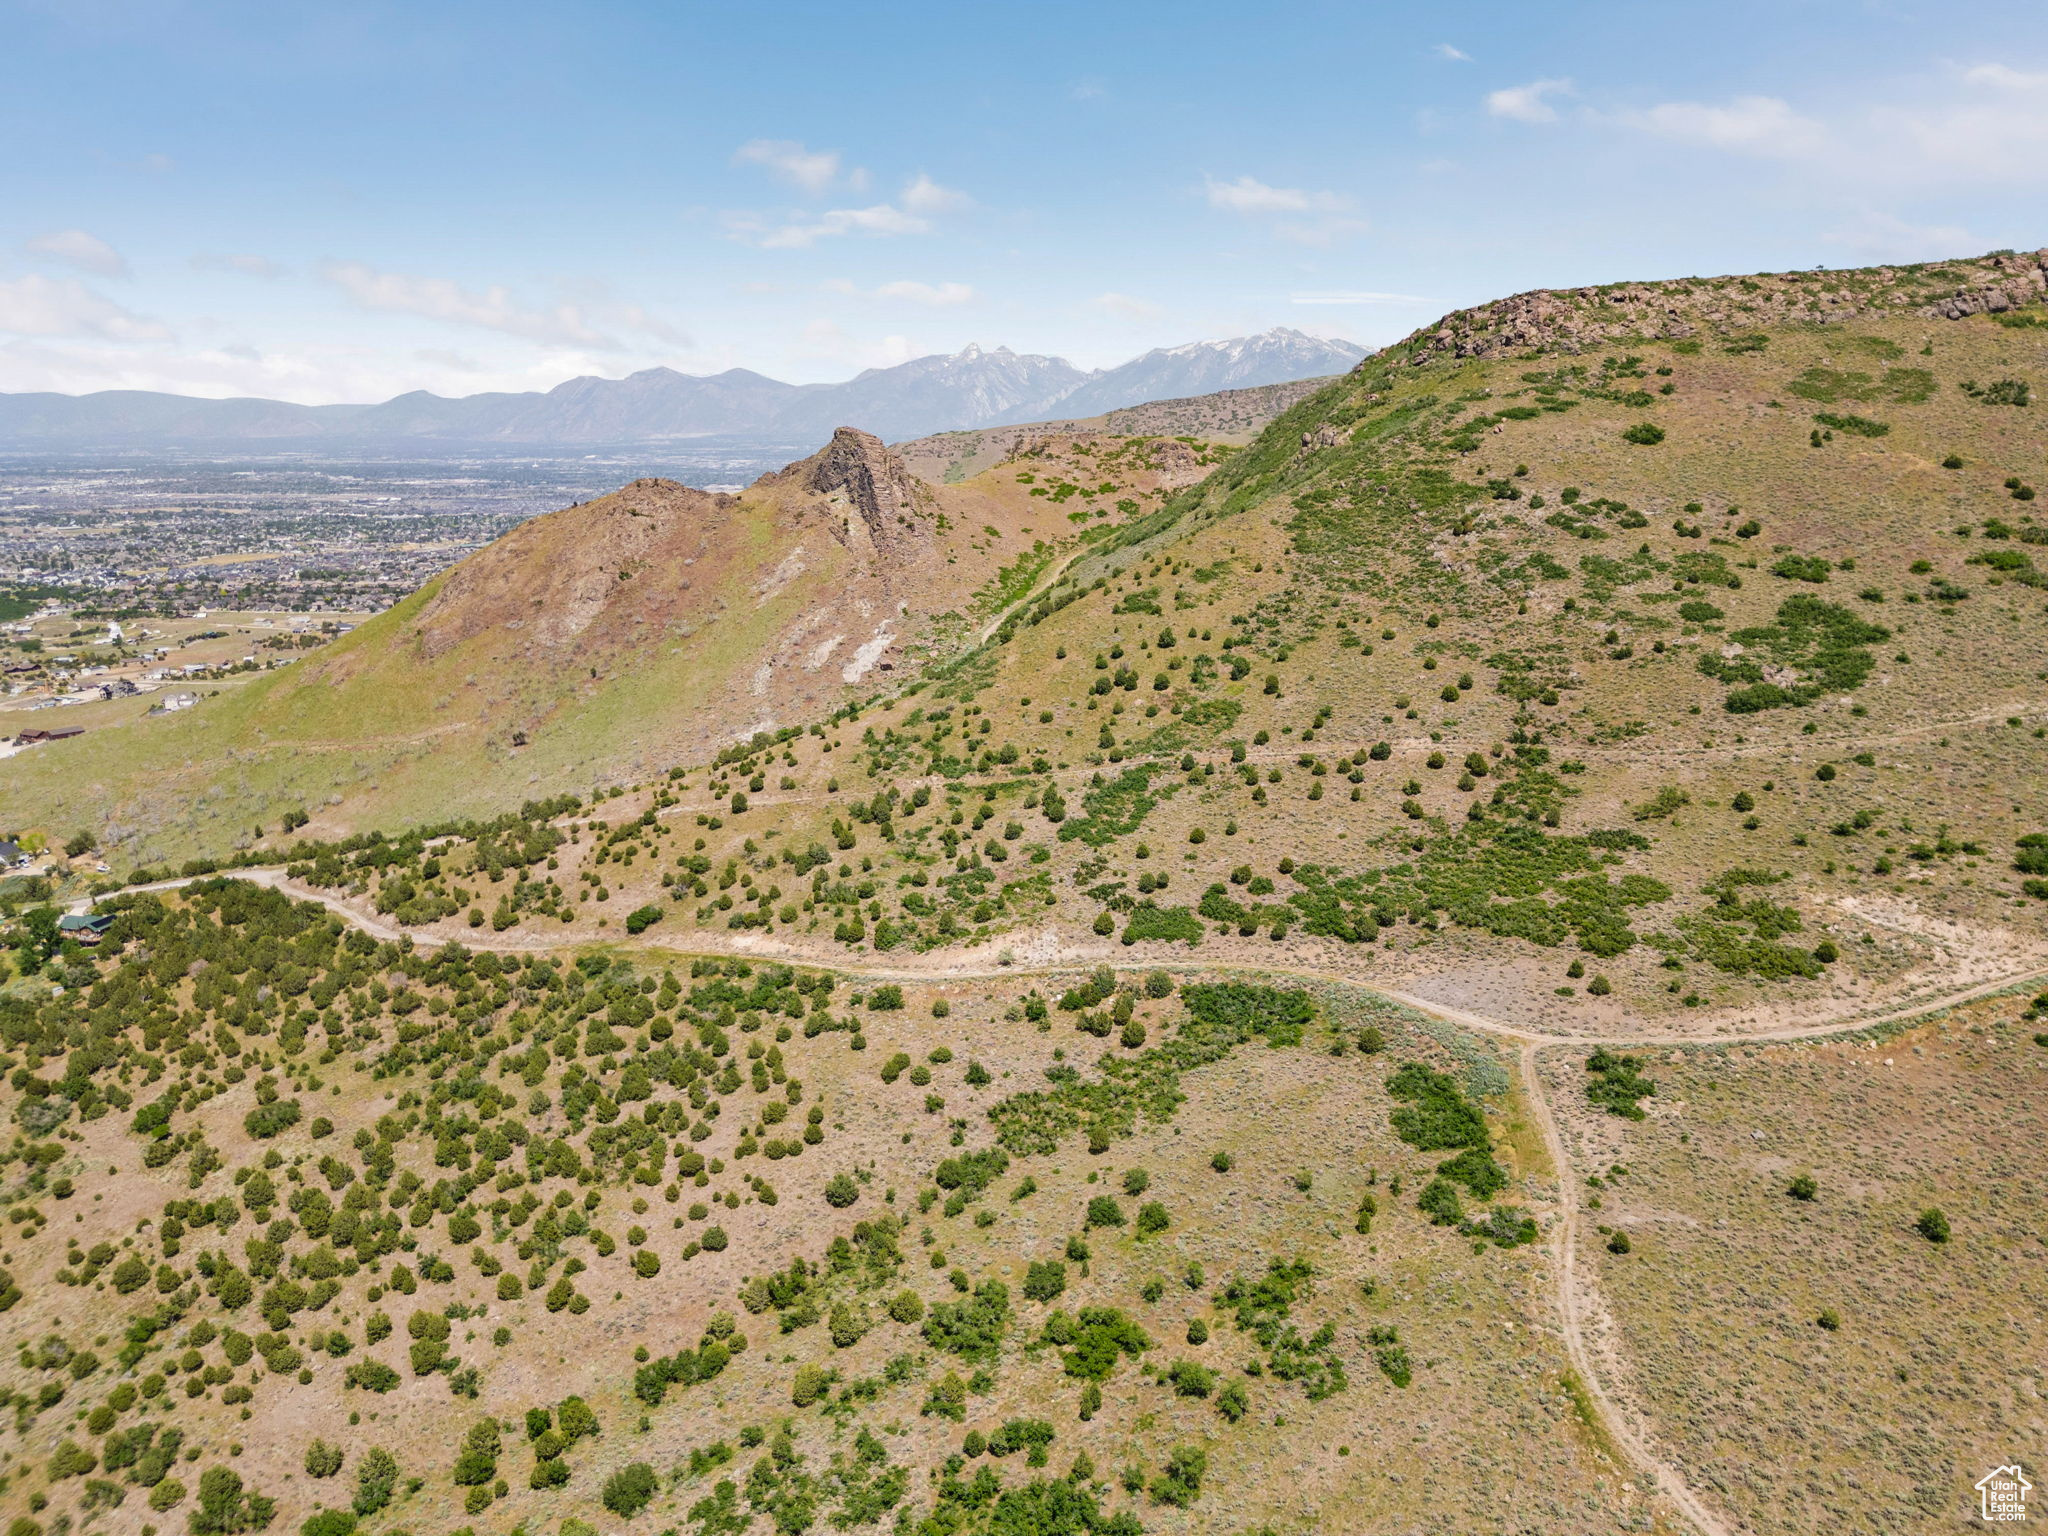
[{"x": 1576, "y": 320}]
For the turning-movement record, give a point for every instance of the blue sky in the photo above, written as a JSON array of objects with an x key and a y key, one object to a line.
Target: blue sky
[{"x": 342, "y": 201}]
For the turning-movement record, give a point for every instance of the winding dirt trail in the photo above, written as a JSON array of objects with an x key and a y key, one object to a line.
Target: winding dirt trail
[{"x": 1576, "y": 1294}]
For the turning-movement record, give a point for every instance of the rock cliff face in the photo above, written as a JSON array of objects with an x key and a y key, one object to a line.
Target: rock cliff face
[
  {"x": 888, "y": 510},
  {"x": 1575, "y": 320}
]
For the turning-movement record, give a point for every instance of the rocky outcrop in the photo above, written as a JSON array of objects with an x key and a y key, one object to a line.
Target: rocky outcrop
[
  {"x": 1576, "y": 320},
  {"x": 886, "y": 506}
]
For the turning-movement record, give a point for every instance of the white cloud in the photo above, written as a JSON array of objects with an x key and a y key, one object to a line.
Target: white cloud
[
  {"x": 1995, "y": 130},
  {"x": 1249, "y": 195},
  {"x": 62, "y": 306},
  {"x": 317, "y": 375},
  {"x": 1252, "y": 198},
  {"x": 910, "y": 214},
  {"x": 1320, "y": 232},
  {"x": 1983, "y": 123},
  {"x": 76, "y": 248},
  {"x": 924, "y": 195},
  {"x": 1455, "y": 55},
  {"x": 880, "y": 219},
  {"x": 812, "y": 169},
  {"x": 1126, "y": 306},
  {"x": 1352, "y": 296},
  {"x": 1757, "y": 125},
  {"x": 247, "y": 265},
  {"x": 2004, "y": 77},
  {"x": 825, "y": 340},
  {"x": 936, "y": 295},
  {"x": 492, "y": 309},
  {"x": 1528, "y": 103},
  {"x": 1878, "y": 236}
]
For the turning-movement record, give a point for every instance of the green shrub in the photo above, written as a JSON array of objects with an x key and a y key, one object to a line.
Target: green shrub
[
  {"x": 477, "y": 1463},
  {"x": 1103, "y": 1211},
  {"x": 1802, "y": 568},
  {"x": 1233, "y": 1402},
  {"x": 630, "y": 1490},
  {"x": 1645, "y": 433},
  {"x": 947, "y": 1400},
  {"x": 811, "y": 1383},
  {"x": 1433, "y": 1114},
  {"x": 1098, "y": 1338},
  {"x": 371, "y": 1375},
  {"x": 322, "y": 1459},
  {"x": 1148, "y": 922},
  {"x": 225, "y": 1508},
  {"x": 972, "y": 1328},
  {"x": 640, "y": 919},
  {"x": 1861, "y": 426},
  {"x": 1617, "y": 1083},
  {"x": 376, "y": 1479},
  {"x": 1932, "y": 1225},
  {"x": 1045, "y": 1279},
  {"x": 1180, "y": 1483},
  {"x": 1439, "y": 1202}
]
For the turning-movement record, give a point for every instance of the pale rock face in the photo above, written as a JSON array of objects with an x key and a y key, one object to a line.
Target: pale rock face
[{"x": 864, "y": 659}]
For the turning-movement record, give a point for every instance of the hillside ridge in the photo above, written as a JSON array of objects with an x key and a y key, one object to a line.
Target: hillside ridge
[{"x": 1575, "y": 320}]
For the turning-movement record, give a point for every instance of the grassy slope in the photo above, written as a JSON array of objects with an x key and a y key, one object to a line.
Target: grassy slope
[
  {"x": 1487, "y": 1403},
  {"x": 1387, "y": 523},
  {"x": 1389, "y": 539},
  {"x": 379, "y": 730},
  {"x": 1888, "y": 1419}
]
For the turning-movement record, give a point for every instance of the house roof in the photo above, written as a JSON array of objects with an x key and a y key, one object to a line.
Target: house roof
[
  {"x": 2010, "y": 1474},
  {"x": 80, "y": 922}
]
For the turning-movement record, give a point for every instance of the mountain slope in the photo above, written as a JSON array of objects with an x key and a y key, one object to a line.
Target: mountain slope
[
  {"x": 1649, "y": 591},
  {"x": 1278, "y": 356},
  {"x": 965, "y": 390},
  {"x": 970, "y": 388},
  {"x": 603, "y": 641},
  {"x": 1491, "y": 932},
  {"x": 1231, "y": 417}
]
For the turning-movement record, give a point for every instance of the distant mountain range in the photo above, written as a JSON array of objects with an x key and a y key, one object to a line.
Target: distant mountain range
[{"x": 971, "y": 388}]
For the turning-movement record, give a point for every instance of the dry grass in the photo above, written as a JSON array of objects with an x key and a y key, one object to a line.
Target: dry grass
[{"x": 1933, "y": 1375}]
